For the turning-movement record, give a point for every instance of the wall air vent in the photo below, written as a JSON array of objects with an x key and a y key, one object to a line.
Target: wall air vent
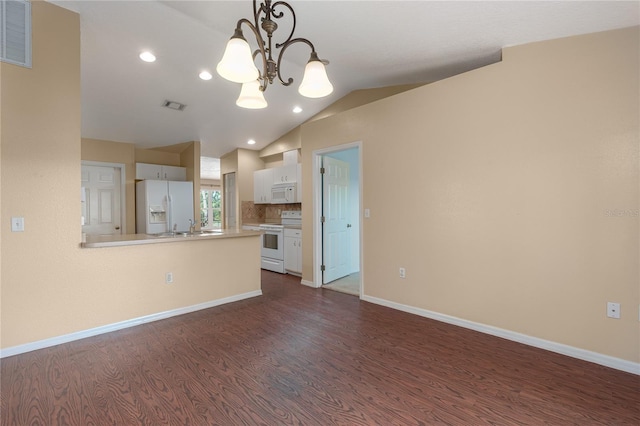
[
  {"x": 15, "y": 32},
  {"x": 174, "y": 105}
]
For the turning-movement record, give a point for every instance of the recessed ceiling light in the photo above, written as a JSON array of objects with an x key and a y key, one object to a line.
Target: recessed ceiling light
[
  {"x": 205, "y": 75},
  {"x": 251, "y": 142},
  {"x": 297, "y": 110},
  {"x": 147, "y": 56}
]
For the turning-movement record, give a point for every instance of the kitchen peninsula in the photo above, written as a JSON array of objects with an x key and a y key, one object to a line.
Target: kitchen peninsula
[{"x": 96, "y": 241}]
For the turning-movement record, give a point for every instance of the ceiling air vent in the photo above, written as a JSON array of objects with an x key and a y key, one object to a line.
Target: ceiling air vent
[
  {"x": 15, "y": 32},
  {"x": 174, "y": 105}
]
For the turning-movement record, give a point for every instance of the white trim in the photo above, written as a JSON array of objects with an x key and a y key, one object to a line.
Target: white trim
[
  {"x": 308, "y": 283},
  {"x": 123, "y": 190},
  {"x": 585, "y": 355},
  {"x": 20, "y": 349}
]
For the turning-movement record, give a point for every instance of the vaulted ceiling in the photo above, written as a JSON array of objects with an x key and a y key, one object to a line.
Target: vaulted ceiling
[{"x": 368, "y": 43}]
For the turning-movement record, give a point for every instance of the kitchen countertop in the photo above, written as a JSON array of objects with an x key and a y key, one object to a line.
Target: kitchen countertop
[
  {"x": 273, "y": 223},
  {"x": 95, "y": 241}
]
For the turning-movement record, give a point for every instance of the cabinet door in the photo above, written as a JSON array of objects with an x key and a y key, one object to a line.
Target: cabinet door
[
  {"x": 299, "y": 257},
  {"x": 293, "y": 250},
  {"x": 174, "y": 173},
  {"x": 293, "y": 254},
  {"x": 285, "y": 174},
  {"x": 262, "y": 181},
  {"x": 148, "y": 171}
]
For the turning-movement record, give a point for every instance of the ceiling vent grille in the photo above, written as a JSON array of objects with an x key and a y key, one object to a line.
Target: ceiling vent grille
[
  {"x": 174, "y": 105},
  {"x": 15, "y": 32}
]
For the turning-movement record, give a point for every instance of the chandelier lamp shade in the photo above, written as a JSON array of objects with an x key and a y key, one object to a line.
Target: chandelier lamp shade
[{"x": 238, "y": 62}]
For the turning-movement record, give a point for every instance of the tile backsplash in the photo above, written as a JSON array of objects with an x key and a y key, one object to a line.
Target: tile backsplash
[{"x": 265, "y": 213}]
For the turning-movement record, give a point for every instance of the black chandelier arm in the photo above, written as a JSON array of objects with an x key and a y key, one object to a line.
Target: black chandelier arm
[
  {"x": 285, "y": 46},
  {"x": 280, "y": 15}
]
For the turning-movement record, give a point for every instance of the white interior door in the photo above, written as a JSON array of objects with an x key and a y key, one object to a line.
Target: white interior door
[
  {"x": 335, "y": 210},
  {"x": 101, "y": 200}
]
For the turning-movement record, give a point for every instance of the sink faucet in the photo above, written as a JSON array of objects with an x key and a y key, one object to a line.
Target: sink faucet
[{"x": 192, "y": 226}]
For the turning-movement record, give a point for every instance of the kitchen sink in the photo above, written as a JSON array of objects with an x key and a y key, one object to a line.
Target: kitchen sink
[
  {"x": 188, "y": 234},
  {"x": 171, "y": 234}
]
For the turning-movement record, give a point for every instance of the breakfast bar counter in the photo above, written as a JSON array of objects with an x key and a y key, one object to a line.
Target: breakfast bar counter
[{"x": 96, "y": 241}]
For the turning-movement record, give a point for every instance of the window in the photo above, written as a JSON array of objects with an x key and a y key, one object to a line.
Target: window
[{"x": 210, "y": 212}]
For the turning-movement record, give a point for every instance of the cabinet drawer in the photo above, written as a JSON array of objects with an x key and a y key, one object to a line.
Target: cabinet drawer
[{"x": 296, "y": 233}]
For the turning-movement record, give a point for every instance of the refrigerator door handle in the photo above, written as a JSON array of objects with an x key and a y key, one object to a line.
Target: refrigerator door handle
[{"x": 170, "y": 213}]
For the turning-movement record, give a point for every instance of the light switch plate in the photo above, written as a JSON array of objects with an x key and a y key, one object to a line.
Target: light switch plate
[{"x": 17, "y": 224}]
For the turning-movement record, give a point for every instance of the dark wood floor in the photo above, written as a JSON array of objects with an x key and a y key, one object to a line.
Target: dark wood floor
[{"x": 308, "y": 357}]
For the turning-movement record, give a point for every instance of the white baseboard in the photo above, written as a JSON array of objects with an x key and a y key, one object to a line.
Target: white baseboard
[
  {"x": 41, "y": 344},
  {"x": 308, "y": 283},
  {"x": 585, "y": 355}
]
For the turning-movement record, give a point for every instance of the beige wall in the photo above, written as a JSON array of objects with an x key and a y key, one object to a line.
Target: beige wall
[
  {"x": 248, "y": 162},
  {"x": 154, "y": 156},
  {"x": 49, "y": 286},
  {"x": 272, "y": 153},
  {"x": 494, "y": 189},
  {"x": 286, "y": 142}
]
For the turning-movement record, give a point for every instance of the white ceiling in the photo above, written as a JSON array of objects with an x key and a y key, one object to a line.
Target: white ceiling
[{"x": 369, "y": 43}]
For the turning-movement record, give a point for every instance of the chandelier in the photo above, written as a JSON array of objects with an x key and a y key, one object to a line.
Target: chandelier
[{"x": 238, "y": 63}]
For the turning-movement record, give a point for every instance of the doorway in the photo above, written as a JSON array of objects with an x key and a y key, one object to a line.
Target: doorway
[
  {"x": 102, "y": 198},
  {"x": 337, "y": 226}
]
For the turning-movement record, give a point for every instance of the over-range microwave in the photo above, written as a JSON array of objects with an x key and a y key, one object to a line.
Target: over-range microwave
[{"x": 283, "y": 193}]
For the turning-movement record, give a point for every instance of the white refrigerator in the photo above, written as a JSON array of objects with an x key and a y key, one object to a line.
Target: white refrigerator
[{"x": 163, "y": 206}]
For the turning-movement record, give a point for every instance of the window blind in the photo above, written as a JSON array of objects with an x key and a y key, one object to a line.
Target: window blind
[{"x": 15, "y": 32}]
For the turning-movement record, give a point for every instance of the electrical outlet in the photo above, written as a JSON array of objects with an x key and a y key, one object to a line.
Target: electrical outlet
[
  {"x": 169, "y": 278},
  {"x": 403, "y": 273},
  {"x": 17, "y": 224},
  {"x": 613, "y": 310}
]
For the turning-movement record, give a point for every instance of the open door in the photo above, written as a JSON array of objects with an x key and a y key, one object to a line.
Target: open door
[
  {"x": 101, "y": 196},
  {"x": 335, "y": 219}
]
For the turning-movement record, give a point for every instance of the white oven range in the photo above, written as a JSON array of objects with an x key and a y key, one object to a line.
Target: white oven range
[{"x": 272, "y": 249}]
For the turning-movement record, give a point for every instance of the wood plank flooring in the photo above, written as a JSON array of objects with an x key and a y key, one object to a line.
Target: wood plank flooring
[{"x": 307, "y": 356}]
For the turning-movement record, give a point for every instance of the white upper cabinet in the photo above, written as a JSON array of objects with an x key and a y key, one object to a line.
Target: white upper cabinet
[
  {"x": 285, "y": 174},
  {"x": 160, "y": 172},
  {"x": 262, "y": 181},
  {"x": 174, "y": 173}
]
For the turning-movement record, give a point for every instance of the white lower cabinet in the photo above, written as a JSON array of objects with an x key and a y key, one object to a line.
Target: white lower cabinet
[{"x": 293, "y": 250}]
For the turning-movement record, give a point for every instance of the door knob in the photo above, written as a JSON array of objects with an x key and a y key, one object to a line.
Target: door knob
[{"x": 117, "y": 227}]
